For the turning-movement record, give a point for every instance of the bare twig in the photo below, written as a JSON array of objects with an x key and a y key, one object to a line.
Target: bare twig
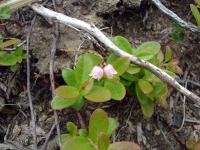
[
  {"x": 90, "y": 28},
  {"x": 51, "y": 69},
  {"x": 48, "y": 136},
  {"x": 175, "y": 17},
  {"x": 28, "y": 87}
]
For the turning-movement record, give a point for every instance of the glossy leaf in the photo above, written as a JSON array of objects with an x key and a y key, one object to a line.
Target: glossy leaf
[
  {"x": 98, "y": 124},
  {"x": 72, "y": 128},
  {"x": 9, "y": 43},
  {"x": 121, "y": 65},
  {"x": 160, "y": 89},
  {"x": 103, "y": 141},
  {"x": 112, "y": 125},
  {"x": 123, "y": 44},
  {"x": 160, "y": 57},
  {"x": 67, "y": 92},
  {"x": 124, "y": 146},
  {"x": 129, "y": 77},
  {"x": 65, "y": 137},
  {"x": 168, "y": 54},
  {"x": 78, "y": 104},
  {"x": 117, "y": 89},
  {"x": 98, "y": 94},
  {"x": 142, "y": 98},
  {"x": 147, "y": 50},
  {"x": 78, "y": 143},
  {"x": 83, "y": 132},
  {"x": 84, "y": 66},
  {"x": 133, "y": 69},
  {"x": 145, "y": 86},
  {"x": 7, "y": 59},
  {"x": 111, "y": 58},
  {"x": 195, "y": 13},
  {"x": 148, "y": 109},
  {"x": 87, "y": 86},
  {"x": 69, "y": 76},
  {"x": 59, "y": 103}
]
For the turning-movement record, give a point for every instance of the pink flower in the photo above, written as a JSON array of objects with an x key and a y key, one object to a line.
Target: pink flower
[
  {"x": 109, "y": 71},
  {"x": 97, "y": 73}
]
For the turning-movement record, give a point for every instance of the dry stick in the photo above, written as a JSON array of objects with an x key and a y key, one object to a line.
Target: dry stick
[
  {"x": 175, "y": 17},
  {"x": 51, "y": 69},
  {"x": 90, "y": 28},
  {"x": 48, "y": 136},
  {"x": 28, "y": 86}
]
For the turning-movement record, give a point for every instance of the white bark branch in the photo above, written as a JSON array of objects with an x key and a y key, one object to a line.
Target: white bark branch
[
  {"x": 90, "y": 28},
  {"x": 175, "y": 17}
]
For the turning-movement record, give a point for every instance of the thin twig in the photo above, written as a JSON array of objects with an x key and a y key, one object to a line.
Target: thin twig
[
  {"x": 48, "y": 136},
  {"x": 52, "y": 80},
  {"x": 175, "y": 17},
  {"x": 80, "y": 118},
  {"x": 192, "y": 121},
  {"x": 94, "y": 31},
  {"x": 28, "y": 87}
]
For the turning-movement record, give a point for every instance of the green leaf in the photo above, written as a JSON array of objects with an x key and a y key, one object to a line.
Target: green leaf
[
  {"x": 123, "y": 44},
  {"x": 124, "y": 146},
  {"x": 168, "y": 54},
  {"x": 98, "y": 94},
  {"x": 61, "y": 103},
  {"x": 112, "y": 125},
  {"x": 84, "y": 66},
  {"x": 67, "y": 92},
  {"x": 160, "y": 57},
  {"x": 72, "y": 128},
  {"x": 83, "y": 132},
  {"x": 87, "y": 86},
  {"x": 160, "y": 89},
  {"x": 98, "y": 124},
  {"x": 5, "y": 12},
  {"x": 111, "y": 58},
  {"x": 147, "y": 50},
  {"x": 65, "y": 137},
  {"x": 117, "y": 89},
  {"x": 148, "y": 109},
  {"x": 133, "y": 69},
  {"x": 7, "y": 59},
  {"x": 129, "y": 77},
  {"x": 197, "y": 2},
  {"x": 121, "y": 65},
  {"x": 195, "y": 13},
  {"x": 103, "y": 142},
  {"x": 78, "y": 143},
  {"x": 78, "y": 104},
  {"x": 145, "y": 86},
  {"x": 142, "y": 98},
  {"x": 69, "y": 76}
]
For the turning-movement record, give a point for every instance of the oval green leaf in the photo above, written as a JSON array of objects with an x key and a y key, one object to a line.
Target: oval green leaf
[
  {"x": 98, "y": 124},
  {"x": 78, "y": 104},
  {"x": 123, "y": 44},
  {"x": 112, "y": 126},
  {"x": 145, "y": 86},
  {"x": 117, "y": 89},
  {"x": 72, "y": 128},
  {"x": 103, "y": 142},
  {"x": 124, "y": 146},
  {"x": 59, "y": 103},
  {"x": 98, "y": 94},
  {"x": 69, "y": 76},
  {"x": 148, "y": 109},
  {"x": 84, "y": 66},
  {"x": 67, "y": 92},
  {"x": 78, "y": 143},
  {"x": 121, "y": 65}
]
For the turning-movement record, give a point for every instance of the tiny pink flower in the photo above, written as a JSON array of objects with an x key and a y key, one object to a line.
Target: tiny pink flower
[
  {"x": 109, "y": 71},
  {"x": 97, "y": 73}
]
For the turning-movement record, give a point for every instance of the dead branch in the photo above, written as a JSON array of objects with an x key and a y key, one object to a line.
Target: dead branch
[
  {"x": 175, "y": 17},
  {"x": 28, "y": 87},
  {"x": 94, "y": 31}
]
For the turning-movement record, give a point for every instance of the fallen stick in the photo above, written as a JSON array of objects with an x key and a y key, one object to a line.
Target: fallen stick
[
  {"x": 175, "y": 17},
  {"x": 94, "y": 31}
]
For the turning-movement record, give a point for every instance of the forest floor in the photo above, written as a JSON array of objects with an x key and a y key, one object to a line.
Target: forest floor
[{"x": 140, "y": 24}]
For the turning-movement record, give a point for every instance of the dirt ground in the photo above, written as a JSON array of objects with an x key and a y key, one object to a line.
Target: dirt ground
[{"x": 139, "y": 22}]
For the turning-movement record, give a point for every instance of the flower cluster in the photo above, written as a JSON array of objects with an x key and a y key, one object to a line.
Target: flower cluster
[{"x": 97, "y": 72}]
